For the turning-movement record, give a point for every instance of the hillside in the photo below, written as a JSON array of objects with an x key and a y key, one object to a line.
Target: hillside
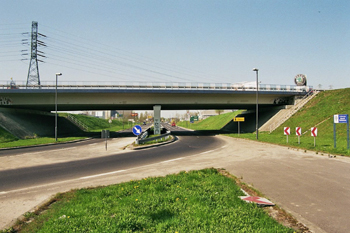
[
  {"x": 319, "y": 113},
  {"x": 6, "y": 136},
  {"x": 211, "y": 123}
]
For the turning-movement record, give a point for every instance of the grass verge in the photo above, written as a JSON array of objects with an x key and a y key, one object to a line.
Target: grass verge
[
  {"x": 36, "y": 141},
  {"x": 195, "y": 201},
  {"x": 323, "y": 146}
]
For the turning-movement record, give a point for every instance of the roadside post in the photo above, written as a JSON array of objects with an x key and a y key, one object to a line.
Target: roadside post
[
  {"x": 287, "y": 132},
  {"x": 238, "y": 120},
  {"x": 105, "y": 135},
  {"x": 298, "y": 133},
  {"x": 137, "y": 130},
  {"x": 314, "y": 134},
  {"x": 340, "y": 118}
]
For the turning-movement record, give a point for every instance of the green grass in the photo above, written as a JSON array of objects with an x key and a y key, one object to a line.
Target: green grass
[
  {"x": 36, "y": 141},
  {"x": 161, "y": 140},
  {"x": 211, "y": 123},
  {"x": 317, "y": 113},
  {"x": 96, "y": 124},
  {"x": 195, "y": 201},
  {"x": 6, "y": 136}
]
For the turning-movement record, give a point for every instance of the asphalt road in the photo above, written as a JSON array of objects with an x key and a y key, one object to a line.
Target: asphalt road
[
  {"x": 50, "y": 173},
  {"x": 314, "y": 188}
]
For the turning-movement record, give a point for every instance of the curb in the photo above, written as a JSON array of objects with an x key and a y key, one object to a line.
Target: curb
[{"x": 131, "y": 147}]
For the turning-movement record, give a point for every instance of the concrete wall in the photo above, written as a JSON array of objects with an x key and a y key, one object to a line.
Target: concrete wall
[{"x": 27, "y": 124}]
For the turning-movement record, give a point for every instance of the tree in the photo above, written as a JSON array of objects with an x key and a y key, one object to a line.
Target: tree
[{"x": 219, "y": 111}]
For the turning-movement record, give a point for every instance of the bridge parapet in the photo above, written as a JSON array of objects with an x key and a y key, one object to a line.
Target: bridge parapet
[{"x": 163, "y": 85}]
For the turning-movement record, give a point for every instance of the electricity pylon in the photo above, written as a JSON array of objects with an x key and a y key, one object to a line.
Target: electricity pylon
[{"x": 33, "y": 78}]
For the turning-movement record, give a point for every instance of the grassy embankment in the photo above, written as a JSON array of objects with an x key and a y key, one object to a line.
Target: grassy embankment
[
  {"x": 195, "y": 201},
  {"x": 317, "y": 113},
  {"x": 211, "y": 123},
  {"x": 94, "y": 124},
  {"x": 7, "y": 140}
]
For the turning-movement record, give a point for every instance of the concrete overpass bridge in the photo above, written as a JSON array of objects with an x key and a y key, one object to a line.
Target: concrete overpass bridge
[
  {"x": 143, "y": 96},
  {"x": 19, "y": 102}
]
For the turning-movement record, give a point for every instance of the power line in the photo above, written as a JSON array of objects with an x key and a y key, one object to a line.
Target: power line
[{"x": 126, "y": 55}]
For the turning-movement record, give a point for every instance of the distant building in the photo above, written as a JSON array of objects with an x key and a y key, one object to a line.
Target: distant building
[{"x": 208, "y": 113}]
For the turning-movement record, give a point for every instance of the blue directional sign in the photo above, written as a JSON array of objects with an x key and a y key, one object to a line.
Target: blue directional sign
[
  {"x": 341, "y": 118},
  {"x": 137, "y": 130}
]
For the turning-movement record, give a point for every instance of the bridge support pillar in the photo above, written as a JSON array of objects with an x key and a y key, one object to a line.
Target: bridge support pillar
[{"x": 156, "y": 110}]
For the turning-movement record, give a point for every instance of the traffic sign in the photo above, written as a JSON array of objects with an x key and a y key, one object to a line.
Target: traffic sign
[
  {"x": 286, "y": 130},
  {"x": 341, "y": 118},
  {"x": 137, "y": 130},
  {"x": 257, "y": 200},
  {"x": 239, "y": 119},
  {"x": 314, "y": 131},
  {"x": 298, "y": 131}
]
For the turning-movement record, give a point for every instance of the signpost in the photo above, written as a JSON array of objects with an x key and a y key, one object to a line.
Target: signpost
[
  {"x": 287, "y": 132},
  {"x": 298, "y": 133},
  {"x": 238, "y": 120},
  {"x": 340, "y": 118},
  {"x": 105, "y": 135},
  {"x": 193, "y": 118},
  {"x": 314, "y": 134}
]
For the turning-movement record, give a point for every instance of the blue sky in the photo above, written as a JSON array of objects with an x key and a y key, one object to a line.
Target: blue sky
[{"x": 181, "y": 41}]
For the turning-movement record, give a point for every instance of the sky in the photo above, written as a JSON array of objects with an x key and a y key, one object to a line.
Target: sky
[{"x": 197, "y": 41}]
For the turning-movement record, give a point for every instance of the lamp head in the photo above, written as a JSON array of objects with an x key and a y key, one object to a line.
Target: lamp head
[
  {"x": 58, "y": 74},
  {"x": 255, "y": 69}
]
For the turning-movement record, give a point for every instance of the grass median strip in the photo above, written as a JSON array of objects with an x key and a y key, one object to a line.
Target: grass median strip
[{"x": 194, "y": 201}]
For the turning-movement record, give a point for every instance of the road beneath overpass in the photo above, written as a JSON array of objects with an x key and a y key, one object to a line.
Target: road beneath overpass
[{"x": 314, "y": 188}]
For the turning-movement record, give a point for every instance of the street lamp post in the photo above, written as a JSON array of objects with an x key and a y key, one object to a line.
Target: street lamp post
[
  {"x": 257, "y": 105},
  {"x": 57, "y": 74}
]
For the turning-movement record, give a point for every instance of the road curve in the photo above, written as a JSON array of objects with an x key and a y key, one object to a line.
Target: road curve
[
  {"x": 314, "y": 188},
  {"x": 50, "y": 173}
]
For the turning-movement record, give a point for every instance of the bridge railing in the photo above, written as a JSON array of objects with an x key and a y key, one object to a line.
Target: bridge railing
[{"x": 159, "y": 86}]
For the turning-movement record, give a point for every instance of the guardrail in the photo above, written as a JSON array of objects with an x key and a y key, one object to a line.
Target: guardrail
[
  {"x": 141, "y": 141},
  {"x": 78, "y": 123},
  {"x": 157, "y": 86}
]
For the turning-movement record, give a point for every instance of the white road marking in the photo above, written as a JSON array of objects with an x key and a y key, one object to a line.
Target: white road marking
[
  {"x": 102, "y": 174},
  {"x": 94, "y": 176},
  {"x": 206, "y": 152},
  {"x": 171, "y": 160}
]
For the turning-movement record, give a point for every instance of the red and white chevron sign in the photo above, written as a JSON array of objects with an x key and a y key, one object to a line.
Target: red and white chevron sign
[
  {"x": 257, "y": 200},
  {"x": 314, "y": 131},
  {"x": 286, "y": 130},
  {"x": 298, "y": 131}
]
